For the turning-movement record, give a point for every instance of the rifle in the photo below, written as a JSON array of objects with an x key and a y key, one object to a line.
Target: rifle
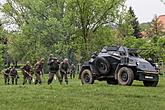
[{"x": 27, "y": 73}]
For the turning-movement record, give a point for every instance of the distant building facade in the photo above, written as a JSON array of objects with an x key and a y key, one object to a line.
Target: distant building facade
[{"x": 161, "y": 19}]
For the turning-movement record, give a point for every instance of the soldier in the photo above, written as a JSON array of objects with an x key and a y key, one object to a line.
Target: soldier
[
  {"x": 53, "y": 64},
  {"x": 6, "y": 73},
  {"x": 39, "y": 70},
  {"x": 64, "y": 69},
  {"x": 14, "y": 75},
  {"x": 72, "y": 71},
  {"x": 26, "y": 70}
]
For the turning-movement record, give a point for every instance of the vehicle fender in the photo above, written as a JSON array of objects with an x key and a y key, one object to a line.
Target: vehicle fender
[
  {"x": 88, "y": 66},
  {"x": 122, "y": 65}
]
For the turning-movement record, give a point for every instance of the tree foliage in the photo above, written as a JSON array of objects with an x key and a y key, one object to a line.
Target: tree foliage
[
  {"x": 67, "y": 28},
  {"x": 124, "y": 27},
  {"x": 2, "y": 46},
  {"x": 135, "y": 23},
  {"x": 128, "y": 24},
  {"x": 76, "y": 28}
]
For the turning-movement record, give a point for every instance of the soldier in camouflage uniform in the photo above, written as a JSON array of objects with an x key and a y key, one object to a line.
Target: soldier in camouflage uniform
[
  {"x": 64, "y": 69},
  {"x": 6, "y": 73},
  {"x": 14, "y": 75},
  {"x": 26, "y": 70},
  {"x": 39, "y": 71},
  {"x": 53, "y": 64},
  {"x": 72, "y": 71}
]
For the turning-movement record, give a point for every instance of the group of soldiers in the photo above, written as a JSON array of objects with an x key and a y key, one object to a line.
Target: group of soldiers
[
  {"x": 10, "y": 73},
  {"x": 60, "y": 69}
]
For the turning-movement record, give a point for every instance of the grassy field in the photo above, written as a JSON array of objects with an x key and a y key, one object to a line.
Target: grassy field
[{"x": 99, "y": 96}]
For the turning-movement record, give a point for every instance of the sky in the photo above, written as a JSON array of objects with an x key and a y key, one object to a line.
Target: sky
[{"x": 145, "y": 10}]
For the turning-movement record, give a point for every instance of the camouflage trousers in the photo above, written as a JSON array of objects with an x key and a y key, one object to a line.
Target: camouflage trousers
[
  {"x": 27, "y": 78},
  {"x": 6, "y": 78},
  {"x": 64, "y": 76},
  {"x": 51, "y": 76},
  {"x": 38, "y": 78},
  {"x": 14, "y": 79},
  {"x": 72, "y": 74}
]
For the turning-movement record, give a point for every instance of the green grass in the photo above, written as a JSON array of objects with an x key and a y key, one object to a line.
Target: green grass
[{"x": 99, "y": 96}]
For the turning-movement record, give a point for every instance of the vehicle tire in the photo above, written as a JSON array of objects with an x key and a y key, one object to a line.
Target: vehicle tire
[
  {"x": 87, "y": 77},
  {"x": 125, "y": 76},
  {"x": 150, "y": 83},
  {"x": 112, "y": 81},
  {"x": 102, "y": 65}
]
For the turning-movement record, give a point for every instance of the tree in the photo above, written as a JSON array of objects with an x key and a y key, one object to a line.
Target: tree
[
  {"x": 124, "y": 27},
  {"x": 153, "y": 29},
  {"x": 145, "y": 26},
  {"x": 2, "y": 46},
  {"x": 161, "y": 48},
  {"x": 62, "y": 27},
  {"x": 156, "y": 26},
  {"x": 92, "y": 15},
  {"x": 135, "y": 23},
  {"x": 41, "y": 25},
  {"x": 128, "y": 24}
]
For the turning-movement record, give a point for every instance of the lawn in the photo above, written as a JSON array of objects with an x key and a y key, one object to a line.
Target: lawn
[{"x": 99, "y": 96}]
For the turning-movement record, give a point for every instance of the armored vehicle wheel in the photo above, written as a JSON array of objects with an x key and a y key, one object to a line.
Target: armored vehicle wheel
[
  {"x": 102, "y": 65},
  {"x": 87, "y": 77},
  {"x": 112, "y": 81},
  {"x": 150, "y": 83},
  {"x": 125, "y": 76}
]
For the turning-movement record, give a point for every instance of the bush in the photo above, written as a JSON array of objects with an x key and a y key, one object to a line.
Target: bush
[{"x": 1, "y": 57}]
